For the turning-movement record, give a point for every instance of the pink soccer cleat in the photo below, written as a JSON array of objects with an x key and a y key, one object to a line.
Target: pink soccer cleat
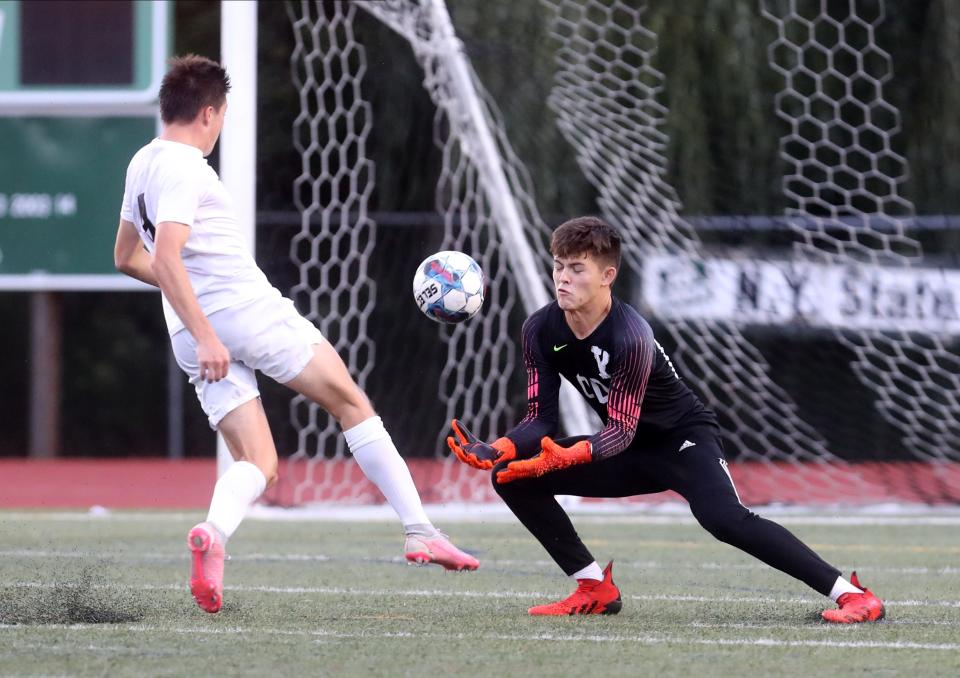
[
  {"x": 206, "y": 567},
  {"x": 422, "y": 550}
]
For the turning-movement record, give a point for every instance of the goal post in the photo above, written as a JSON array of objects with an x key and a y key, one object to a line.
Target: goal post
[
  {"x": 238, "y": 138},
  {"x": 470, "y": 119}
]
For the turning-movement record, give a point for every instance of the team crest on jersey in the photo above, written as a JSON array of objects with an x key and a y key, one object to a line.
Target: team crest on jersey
[{"x": 602, "y": 357}]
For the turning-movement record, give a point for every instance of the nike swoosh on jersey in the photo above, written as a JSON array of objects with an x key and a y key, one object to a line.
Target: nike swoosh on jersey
[{"x": 559, "y": 348}]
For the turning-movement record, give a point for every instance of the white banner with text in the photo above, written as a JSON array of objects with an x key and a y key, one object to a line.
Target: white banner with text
[{"x": 820, "y": 295}]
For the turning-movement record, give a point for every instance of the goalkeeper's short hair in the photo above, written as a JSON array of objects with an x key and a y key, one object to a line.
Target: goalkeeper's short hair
[{"x": 587, "y": 235}]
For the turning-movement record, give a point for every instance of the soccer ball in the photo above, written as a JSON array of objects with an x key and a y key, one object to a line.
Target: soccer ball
[{"x": 448, "y": 287}]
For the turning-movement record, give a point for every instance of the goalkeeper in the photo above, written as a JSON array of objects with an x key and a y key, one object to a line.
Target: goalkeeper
[{"x": 657, "y": 436}]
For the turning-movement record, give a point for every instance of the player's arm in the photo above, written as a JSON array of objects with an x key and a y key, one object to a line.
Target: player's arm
[
  {"x": 523, "y": 440},
  {"x": 167, "y": 266},
  {"x": 632, "y": 366},
  {"x": 543, "y": 394},
  {"x": 130, "y": 257}
]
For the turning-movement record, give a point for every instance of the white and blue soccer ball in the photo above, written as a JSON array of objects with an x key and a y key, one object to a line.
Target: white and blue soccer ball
[{"x": 448, "y": 287}]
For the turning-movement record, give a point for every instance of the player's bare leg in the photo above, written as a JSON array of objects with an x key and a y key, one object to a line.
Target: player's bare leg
[
  {"x": 247, "y": 434},
  {"x": 326, "y": 381}
]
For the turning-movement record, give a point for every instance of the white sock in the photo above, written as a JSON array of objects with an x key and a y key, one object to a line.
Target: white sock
[
  {"x": 384, "y": 467},
  {"x": 233, "y": 495},
  {"x": 842, "y": 586},
  {"x": 591, "y": 571},
  {"x": 420, "y": 530}
]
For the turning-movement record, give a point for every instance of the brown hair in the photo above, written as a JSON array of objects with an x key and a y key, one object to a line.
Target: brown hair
[
  {"x": 192, "y": 83},
  {"x": 587, "y": 235}
]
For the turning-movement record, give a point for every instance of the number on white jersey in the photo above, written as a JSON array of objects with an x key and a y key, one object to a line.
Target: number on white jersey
[
  {"x": 593, "y": 388},
  {"x": 148, "y": 226}
]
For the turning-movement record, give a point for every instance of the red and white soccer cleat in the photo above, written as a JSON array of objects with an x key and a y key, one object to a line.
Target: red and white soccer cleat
[
  {"x": 856, "y": 607},
  {"x": 422, "y": 550},
  {"x": 206, "y": 567},
  {"x": 591, "y": 597}
]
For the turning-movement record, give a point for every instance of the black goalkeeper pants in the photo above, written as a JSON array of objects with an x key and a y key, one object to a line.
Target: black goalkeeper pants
[{"x": 698, "y": 472}]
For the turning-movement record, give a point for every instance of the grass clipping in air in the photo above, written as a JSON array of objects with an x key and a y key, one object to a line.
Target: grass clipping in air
[{"x": 78, "y": 597}]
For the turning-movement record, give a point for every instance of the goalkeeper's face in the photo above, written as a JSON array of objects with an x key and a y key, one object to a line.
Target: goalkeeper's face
[{"x": 580, "y": 282}]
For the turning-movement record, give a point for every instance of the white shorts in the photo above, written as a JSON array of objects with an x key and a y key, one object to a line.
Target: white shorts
[{"x": 267, "y": 334}]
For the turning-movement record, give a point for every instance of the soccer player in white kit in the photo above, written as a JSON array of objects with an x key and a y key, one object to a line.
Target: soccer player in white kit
[{"x": 178, "y": 232}]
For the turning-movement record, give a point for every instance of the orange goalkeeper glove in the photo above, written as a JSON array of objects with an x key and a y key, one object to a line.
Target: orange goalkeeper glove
[
  {"x": 477, "y": 453},
  {"x": 552, "y": 457}
]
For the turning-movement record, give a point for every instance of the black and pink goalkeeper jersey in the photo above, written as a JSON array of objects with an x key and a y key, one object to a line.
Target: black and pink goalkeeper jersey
[{"x": 621, "y": 371}]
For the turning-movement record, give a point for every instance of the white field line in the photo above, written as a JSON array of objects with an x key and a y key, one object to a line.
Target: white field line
[
  {"x": 433, "y": 593},
  {"x": 321, "y": 634},
  {"x": 49, "y": 648},
  {"x": 101, "y": 556},
  {"x": 816, "y": 627}
]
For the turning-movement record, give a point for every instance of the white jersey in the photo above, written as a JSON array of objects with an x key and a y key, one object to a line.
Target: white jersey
[{"x": 170, "y": 181}]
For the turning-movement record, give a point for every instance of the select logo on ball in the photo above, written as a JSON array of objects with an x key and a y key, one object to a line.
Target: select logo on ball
[{"x": 448, "y": 287}]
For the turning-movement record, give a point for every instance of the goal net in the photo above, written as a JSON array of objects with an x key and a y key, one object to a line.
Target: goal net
[{"x": 823, "y": 337}]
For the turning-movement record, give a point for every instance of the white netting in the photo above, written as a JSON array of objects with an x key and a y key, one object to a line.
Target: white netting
[
  {"x": 606, "y": 98},
  {"x": 480, "y": 359},
  {"x": 844, "y": 185},
  {"x": 846, "y": 210},
  {"x": 480, "y": 354},
  {"x": 336, "y": 237}
]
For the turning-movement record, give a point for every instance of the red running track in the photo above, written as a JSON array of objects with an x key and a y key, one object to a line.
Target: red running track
[{"x": 188, "y": 484}]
